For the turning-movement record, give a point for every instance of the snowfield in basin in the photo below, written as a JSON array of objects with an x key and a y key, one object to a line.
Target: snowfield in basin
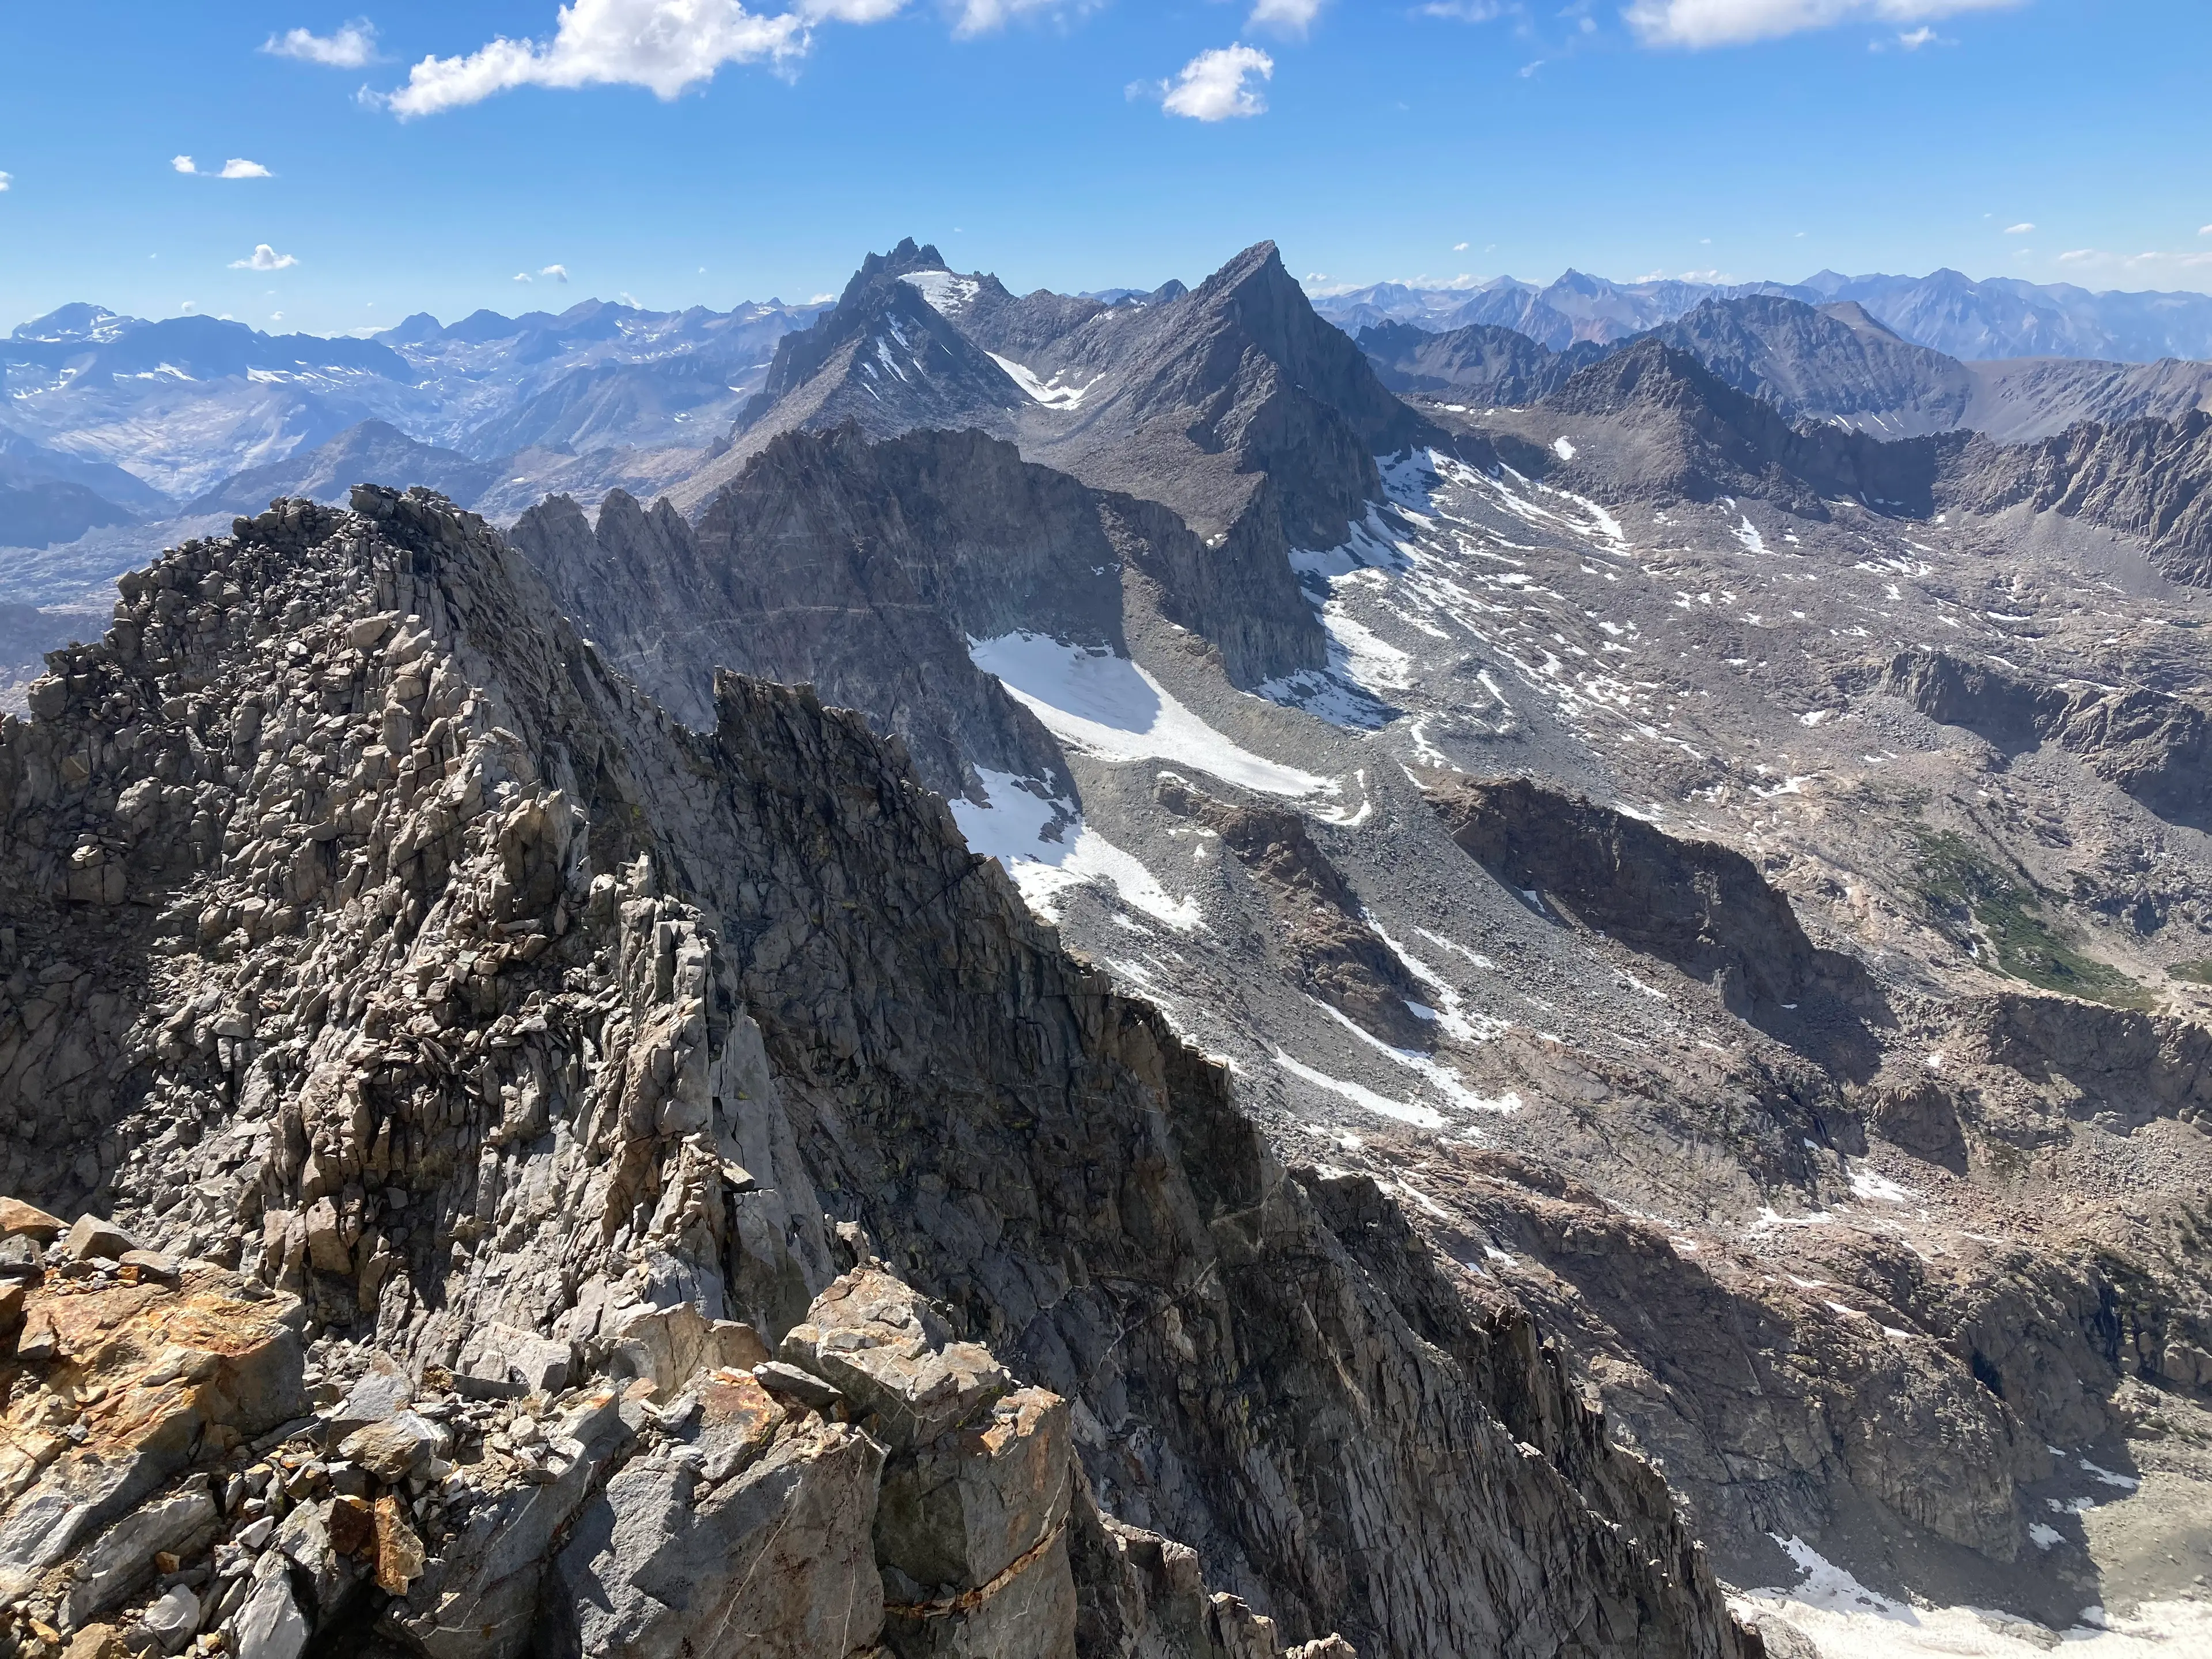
[{"x": 1108, "y": 706}]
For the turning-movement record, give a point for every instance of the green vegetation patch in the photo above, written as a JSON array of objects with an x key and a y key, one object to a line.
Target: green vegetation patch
[
  {"x": 2200, "y": 970},
  {"x": 2001, "y": 923}
]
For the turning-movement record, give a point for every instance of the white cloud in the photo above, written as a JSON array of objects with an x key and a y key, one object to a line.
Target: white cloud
[
  {"x": 1285, "y": 16},
  {"x": 237, "y": 168},
  {"x": 1211, "y": 87},
  {"x": 352, "y": 45},
  {"x": 558, "y": 273},
  {"x": 1731, "y": 22},
  {"x": 1465, "y": 11},
  {"x": 6, "y": 181},
  {"x": 663, "y": 45},
  {"x": 2207, "y": 231},
  {"x": 521, "y": 276},
  {"x": 667, "y": 47},
  {"x": 1913, "y": 39},
  {"x": 1528, "y": 71},
  {"x": 2023, "y": 229},
  {"x": 1459, "y": 248},
  {"x": 266, "y": 257}
]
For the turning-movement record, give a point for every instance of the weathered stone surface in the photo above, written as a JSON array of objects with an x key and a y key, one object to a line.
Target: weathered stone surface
[
  {"x": 172, "y": 1620},
  {"x": 270, "y": 1626},
  {"x": 780, "y": 1558},
  {"x": 959, "y": 1510},
  {"x": 122, "y": 1561},
  {"x": 177, "y": 1371},
  {"x": 17, "y": 1217},
  {"x": 383, "y": 1391},
  {"x": 878, "y": 1342},
  {"x": 392, "y": 1450},
  {"x": 91, "y": 1236}
]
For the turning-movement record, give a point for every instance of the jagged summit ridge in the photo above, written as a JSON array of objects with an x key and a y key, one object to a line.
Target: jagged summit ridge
[{"x": 522, "y": 1027}]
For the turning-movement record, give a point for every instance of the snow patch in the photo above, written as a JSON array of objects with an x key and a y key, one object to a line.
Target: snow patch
[
  {"x": 1048, "y": 851},
  {"x": 1866, "y": 1184},
  {"x": 1051, "y": 393},
  {"x": 1107, "y": 705},
  {"x": 948, "y": 294}
]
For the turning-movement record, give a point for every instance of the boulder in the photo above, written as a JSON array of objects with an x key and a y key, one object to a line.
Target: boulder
[
  {"x": 17, "y": 1217},
  {"x": 270, "y": 1625},
  {"x": 668, "y": 1346},
  {"x": 876, "y": 1340},
  {"x": 393, "y": 1449},
  {"x": 94, "y": 1239},
  {"x": 381, "y": 1392},
  {"x": 172, "y": 1620},
  {"x": 783, "y": 1552},
  {"x": 970, "y": 1531}
]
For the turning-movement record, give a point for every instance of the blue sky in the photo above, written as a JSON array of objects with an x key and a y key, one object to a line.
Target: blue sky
[{"x": 1075, "y": 145}]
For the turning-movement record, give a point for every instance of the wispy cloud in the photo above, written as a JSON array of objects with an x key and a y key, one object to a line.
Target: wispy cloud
[
  {"x": 7, "y": 182},
  {"x": 2023, "y": 229},
  {"x": 1913, "y": 39},
  {"x": 264, "y": 257},
  {"x": 237, "y": 168},
  {"x": 1213, "y": 86},
  {"x": 351, "y": 45},
  {"x": 1467, "y": 11},
  {"x": 1733, "y": 23},
  {"x": 2153, "y": 263},
  {"x": 981, "y": 16},
  {"x": 1292, "y": 17}
]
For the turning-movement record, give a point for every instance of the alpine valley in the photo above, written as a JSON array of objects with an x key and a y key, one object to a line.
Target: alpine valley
[{"x": 1202, "y": 973}]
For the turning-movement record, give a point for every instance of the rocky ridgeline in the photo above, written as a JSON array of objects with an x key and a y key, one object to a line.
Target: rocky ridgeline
[{"x": 605, "y": 1188}]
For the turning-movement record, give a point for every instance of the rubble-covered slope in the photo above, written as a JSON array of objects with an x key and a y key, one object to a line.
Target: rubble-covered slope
[{"x": 384, "y": 961}]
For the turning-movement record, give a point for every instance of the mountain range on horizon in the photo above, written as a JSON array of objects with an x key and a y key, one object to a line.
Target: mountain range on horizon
[{"x": 1592, "y": 958}]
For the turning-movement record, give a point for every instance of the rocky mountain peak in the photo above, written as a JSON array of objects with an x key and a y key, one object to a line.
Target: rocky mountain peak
[{"x": 877, "y": 268}]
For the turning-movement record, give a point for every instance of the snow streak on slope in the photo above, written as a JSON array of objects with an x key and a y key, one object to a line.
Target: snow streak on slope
[
  {"x": 1051, "y": 393},
  {"x": 1048, "y": 851},
  {"x": 1106, "y": 705}
]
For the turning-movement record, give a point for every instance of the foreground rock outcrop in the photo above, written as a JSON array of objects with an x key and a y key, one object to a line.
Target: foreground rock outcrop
[{"x": 706, "y": 1209}]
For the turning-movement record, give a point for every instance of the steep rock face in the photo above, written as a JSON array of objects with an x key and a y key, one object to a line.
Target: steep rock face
[
  {"x": 1481, "y": 360},
  {"x": 1690, "y": 436},
  {"x": 2145, "y": 478},
  {"x": 1331, "y": 948},
  {"x": 1809, "y": 362},
  {"x": 849, "y": 567},
  {"x": 2156, "y": 747},
  {"x": 884, "y": 357},
  {"x": 417, "y": 964},
  {"x": 1699, "y": 906},
  {"x": 1237, "y": 380}
]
